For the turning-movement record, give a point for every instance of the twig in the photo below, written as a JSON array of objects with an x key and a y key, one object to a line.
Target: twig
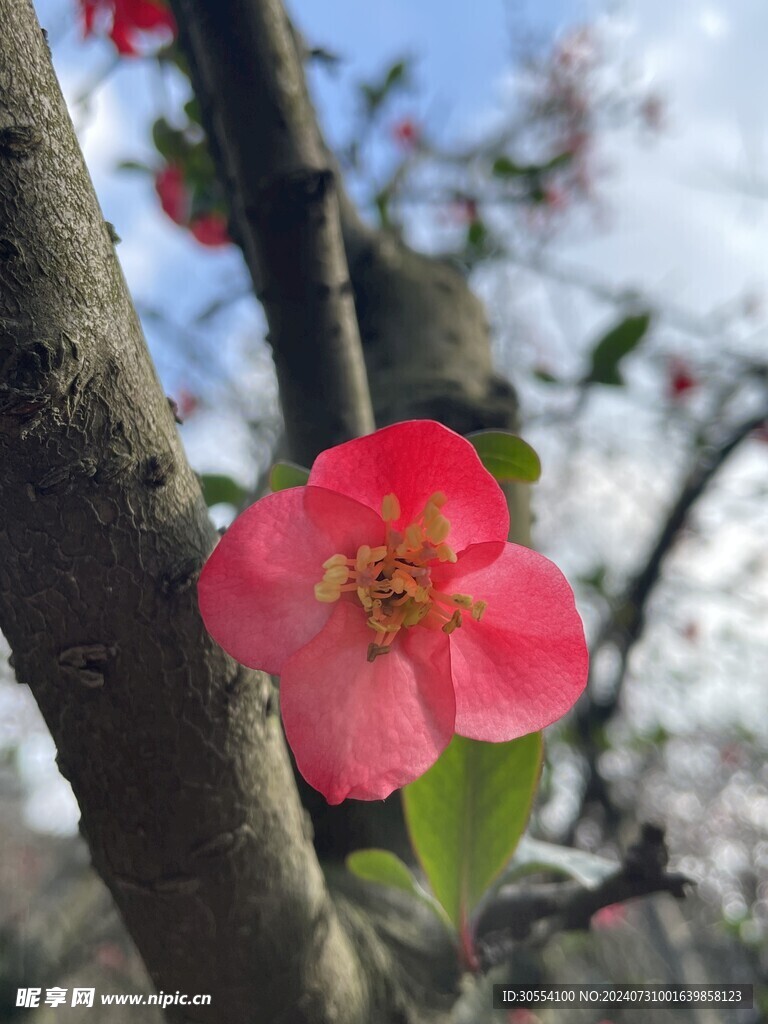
[
  {"x": 627, "y": 621},
  {"x": 535, "y": 913},
  {"x": 248, "y": 76}
]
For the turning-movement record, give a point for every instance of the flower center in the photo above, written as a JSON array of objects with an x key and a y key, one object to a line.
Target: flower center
[{"x": 393, "y": 581}]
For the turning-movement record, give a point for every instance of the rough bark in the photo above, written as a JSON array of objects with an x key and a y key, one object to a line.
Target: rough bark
[
  {"x": 284, "y": 204},
  {"x": 179, "y": 768}
]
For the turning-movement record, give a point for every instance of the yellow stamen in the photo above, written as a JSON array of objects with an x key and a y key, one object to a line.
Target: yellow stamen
[
  {"x": 431, "y": 511},
  {"x": 438, "y": 529},
  {"x": 335, "y": 560},
  {"x": 337, "y": 574},
  {"x": 378, "y": 626},
  {"x": 446, "y": 553},
  {"x": 363, "y": 557},
  {"x": 453, "y": 623},
  {"x": 414, "y": 536},
  {"x": 390, "y": 509},
  {"x": 393, "y": 581},
  {"x": 415, "y": 614}
]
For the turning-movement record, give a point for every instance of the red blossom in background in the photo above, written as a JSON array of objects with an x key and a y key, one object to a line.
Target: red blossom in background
[
  {"x": 555, "y": 198},
  {"x": 385, "y": 595},
  {"x": 210, "y": 229},
  {"x": 124, "y": 21},
  {"x": 189, "y": 403},
  {"x": 521, "y": 1015},
  {"x": 609, "y": 917},
  {"x": 680, "y": 379},
  {"x": 406, "y": 133},
  {"x": 173, "y": 193}
]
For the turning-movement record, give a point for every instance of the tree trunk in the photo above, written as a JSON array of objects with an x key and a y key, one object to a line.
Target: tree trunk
[{"x": 179, "y": 767}]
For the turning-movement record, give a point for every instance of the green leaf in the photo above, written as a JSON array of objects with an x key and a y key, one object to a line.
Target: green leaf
[
  {"x": 386, "y": 868},
  {"x": 477, "y": 234},
  {"x": 504, "y": 167},
  {"x": 561, "y": 160},
  {"x": 396, "y": 77},
  {"x": 397, "y": 74},
  {"x": 169, "y": 142},
  {"x": 287, "y": 474},
  {"x": 381, "y": 201},
  {"x": 192, "y": 110},
  {"x": 532, "y": 855},
  {"x": 219, "y": 488},
  {"x": 506, "y": 456},
  {"x": 545, "y": 376},
  {"x": 134, "y": 165},
  {"x": 467, "y": 813},
  {"x": 614, "y": 346},
  {"x": 382, "y": 867}
]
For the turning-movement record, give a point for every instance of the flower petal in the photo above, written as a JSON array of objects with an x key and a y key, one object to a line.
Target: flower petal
[
  {"x": 525, "y": 663},
  {"x": 413, "y": 460},
  {"x": 256, "y": 592},
  {"x": 361, "y": 729}
]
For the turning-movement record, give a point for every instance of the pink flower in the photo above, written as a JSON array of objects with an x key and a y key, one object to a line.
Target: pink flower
[
  {"x": 210, "y": 229},
  {"x": 125, "y": 20},
  {"x": 386, "y": 597}
]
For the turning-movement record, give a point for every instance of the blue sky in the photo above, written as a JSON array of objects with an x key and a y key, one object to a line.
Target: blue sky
[{"x": 462, "y": 49}]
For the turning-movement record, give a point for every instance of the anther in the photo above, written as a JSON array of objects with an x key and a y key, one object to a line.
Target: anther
[
  {"x": 438, "y": 529},
  {"x": 334, "y": 560},
  {"x": 327, "y": 592},
  {"x": 464, "y": 600},
  {"x": 390, "y": 509},
  {"x": 374, "y": 650},
  {"x": 453, "y": 623},
  {"x": 338, "y": 574},
  {"x": 477, "y": 610},
  {"x": 363, "y": 557},
  {"x": 414, "y": 536},
  {"x": 446, "y": 553}
]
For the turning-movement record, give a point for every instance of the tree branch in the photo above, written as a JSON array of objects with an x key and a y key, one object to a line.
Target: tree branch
[
  {"x": 627, "y": 621},
  {"x": 248, "y": 78},
  {"x": 186, "y": 793},
  {"x": 535, "y": 913}
]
